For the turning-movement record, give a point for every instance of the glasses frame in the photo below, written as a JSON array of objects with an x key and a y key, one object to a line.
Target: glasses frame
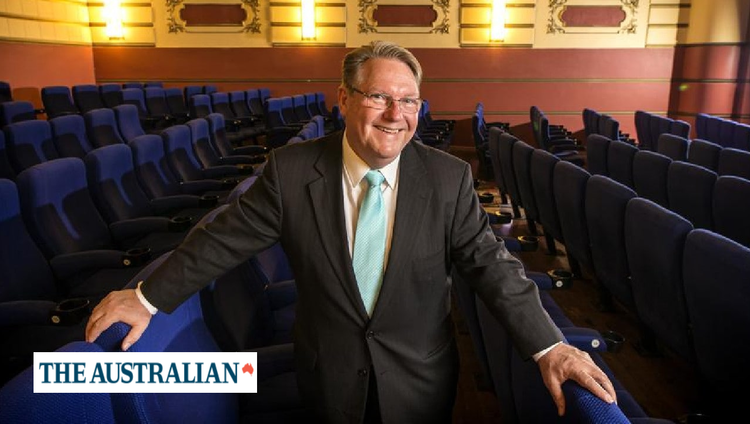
[{"x": 389, "y": 101}]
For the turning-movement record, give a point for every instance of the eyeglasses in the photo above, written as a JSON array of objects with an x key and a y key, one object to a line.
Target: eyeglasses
[{"x": 384, "y": 101}]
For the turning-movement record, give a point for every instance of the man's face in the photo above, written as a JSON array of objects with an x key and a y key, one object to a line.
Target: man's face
[{"x": 377, "y": 136}]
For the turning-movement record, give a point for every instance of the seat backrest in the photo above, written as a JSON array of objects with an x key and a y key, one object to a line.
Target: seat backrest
[
  {"x": 522, "y": 166},
  {"x": 680, "y": 128},
  {"x": 101, "y": 128},
  {"x": 650, "y": 171},
  {"x": 494, "y": 149},
  {"x": 726, "y": 132},
  {"x": 300, "y": 108},
  {"x": 111, "y": 94},
  {"x": 673, "y": 146},
  {"x": 238, "y": 100},
  {"x": 287, "y": 110},
  {"x": 272, "y": 113},
  {"x": 180, "y": 155},
  {"x": 12, "y": 112},
  {"x": 201, "y": 141},
  {"x": 113, "y": 183},
  {"x": 218, "y": 134},
  {"x": 132, "y": 84},
  {"x": 59, "y": 210},
  {"x": 713, "y": 128},
  {"x": 175, "y": 101},
  {"x": 597, "y": 149},
  {"x": 220, "y": 104},
  {"x": 701, "y": 120},
  {"x": 642, "y": 125},
  {"x": 58, "y": 101},
  {"x": 182, "y": 330},
  {"x": 730, "y": 208},
  {"x": 152, "y": 168},
  {"x": 734, "y": 162},
  {"x": 704, "y": 153},
  {"x": 69, "y": 136},
  {"x": 209, "y": 89},
  {"x": 128, "y": 122},
  {"x": 569, "y": 187},
  {"x": 25, "y": 270},
  {"x": 265, "y": 94},
  {"x": 620, "y": 157},
  {"x": 200, "y": 105},
  {"x": 6, "y": 170},
  {"x": 606, "y": 201},
  {"x": 312, "y": 104},
  {"x": 156, "y": 101},
  {"x": 715, "y": 273},
  {"x": 611, "y": 128},
  {"x": 690, "y": 189},
  {"x": 254, "y": 102},
  {"x": 542, "y": 173},
  {"x": 29, "y": 143},
  {"x": 135, "y": 97},
  {"x": 191, "y": 90},
  {"x": 153, "y": 84},
  {"x": 22, "y": 405},
  {"x": 6, "y": 95},
  {"x": 506, "y": 142},
  {"x": 654, "y": 242},
  {"x": 86, "y": 97},
  {"x": 741, "y": 137},
  {"x": 321, "y": 98}
]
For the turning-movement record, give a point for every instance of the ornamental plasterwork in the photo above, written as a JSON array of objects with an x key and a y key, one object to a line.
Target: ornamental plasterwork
[
  {"x": 368, "y": 24},
  {"x": 175, "y": 24},
  {"x": 555, "y": 24}
]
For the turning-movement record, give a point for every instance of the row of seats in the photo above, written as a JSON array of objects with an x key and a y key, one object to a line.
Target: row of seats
[
  {"x": 710, "y": 200},
  {"x": 724, "y": 132},
  {"x": 648, "y": 259},
  {"x": 555, "y": 139},
  {"x": 649, "y": 126},
  {"x": 480, "y": 132},
  {"x": 603, "y": 124}
]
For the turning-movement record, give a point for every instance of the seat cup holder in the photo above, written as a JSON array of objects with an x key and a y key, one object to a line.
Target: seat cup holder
[
  {"x": 614, "y": 340},
  {"x": 245, "y": 169},
  {"x": 230, "y": 183},
  {"x": 528, "y": 243},
  {"x": 208, "y": 201},
  {"x": 180, "y": 223},
  {"x": 560, "y": 278},
  {"x": 69, "y": 311},
  {"x": 137, "y": 256},
  {"x": 486, "y": 198},
  {"x": 502, "y": 217}
]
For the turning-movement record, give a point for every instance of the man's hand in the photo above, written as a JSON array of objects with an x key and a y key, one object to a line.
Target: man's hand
[
  {"x": 565, "y": 362},
  {"x": 119, "y": 306}
]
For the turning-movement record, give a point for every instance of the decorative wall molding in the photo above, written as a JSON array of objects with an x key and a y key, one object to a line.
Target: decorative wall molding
[
  {"x": 175, "y": 23},
  {"x": 367, "y": 23},
  {"x": 556, "y": 24}
]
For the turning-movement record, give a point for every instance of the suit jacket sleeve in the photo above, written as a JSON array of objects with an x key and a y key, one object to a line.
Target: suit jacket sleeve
[
  {"x": 497, "y": 277},
  {"x": 248, "y": 226}
]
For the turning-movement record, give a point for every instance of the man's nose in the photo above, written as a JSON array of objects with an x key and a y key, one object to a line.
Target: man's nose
[{"x": 393, "y": 111}]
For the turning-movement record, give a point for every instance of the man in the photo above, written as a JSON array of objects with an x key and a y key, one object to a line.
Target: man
[{"x": 373, "y": 334}]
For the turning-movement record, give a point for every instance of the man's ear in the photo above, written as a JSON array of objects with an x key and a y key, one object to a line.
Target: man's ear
[{"x": 343, "y": 96}]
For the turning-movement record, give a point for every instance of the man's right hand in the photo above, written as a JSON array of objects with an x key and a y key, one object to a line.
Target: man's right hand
[{"x": 119, "y": 306}]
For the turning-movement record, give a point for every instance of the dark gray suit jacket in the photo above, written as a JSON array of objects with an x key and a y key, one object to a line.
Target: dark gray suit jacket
[{"x": 408, "y": 342}]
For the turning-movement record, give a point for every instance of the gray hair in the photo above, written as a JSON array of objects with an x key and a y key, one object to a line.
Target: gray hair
[{"x": 355, "y": 59}]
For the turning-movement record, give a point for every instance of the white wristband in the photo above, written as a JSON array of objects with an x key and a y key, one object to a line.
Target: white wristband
[{"x": 539, "y": 354}]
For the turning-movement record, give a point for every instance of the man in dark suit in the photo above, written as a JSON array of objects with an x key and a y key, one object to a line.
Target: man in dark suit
[{"x": 380, "y": 351}]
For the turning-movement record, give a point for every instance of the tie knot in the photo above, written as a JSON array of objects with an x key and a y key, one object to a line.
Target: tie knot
[{"x": 374, "y": 178}]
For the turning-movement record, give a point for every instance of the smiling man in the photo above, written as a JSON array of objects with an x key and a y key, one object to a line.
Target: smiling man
[{"x": 372, "y": 222}]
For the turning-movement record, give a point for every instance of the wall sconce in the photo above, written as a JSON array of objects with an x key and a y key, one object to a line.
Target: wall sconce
[
  {"x": 113, "y": 18},
  {"x": 308, "y": 19},
  {"x": 497, "y": 21}
]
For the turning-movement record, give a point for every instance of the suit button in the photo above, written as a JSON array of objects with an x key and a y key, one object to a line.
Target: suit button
[
  {"x": 370, "y": 334},
  {"x": 362, "y": 372}
]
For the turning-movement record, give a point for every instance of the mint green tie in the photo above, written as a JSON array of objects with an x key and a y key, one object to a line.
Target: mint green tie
[{"x": 369, "y": 242}]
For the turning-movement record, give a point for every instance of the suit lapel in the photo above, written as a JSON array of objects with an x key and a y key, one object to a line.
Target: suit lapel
[
  {"x": 411, "y": 206},
  {"x": 328, "y": 207}
]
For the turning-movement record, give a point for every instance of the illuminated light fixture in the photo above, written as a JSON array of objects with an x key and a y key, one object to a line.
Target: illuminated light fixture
[
  {"x": 113, "y": 18},
  {"x": 308, "y": 19},
  {"x": 497, "y": 22}
]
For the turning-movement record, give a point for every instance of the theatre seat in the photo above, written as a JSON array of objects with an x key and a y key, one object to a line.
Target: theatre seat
[
  {"x": 69, "y": 136},
  {"x": 101, "y": 128},
  {"x": 29, "y": 143}
]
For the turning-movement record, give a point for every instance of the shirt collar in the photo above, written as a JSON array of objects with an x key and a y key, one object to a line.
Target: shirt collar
[{"x": 355, "y": 168}]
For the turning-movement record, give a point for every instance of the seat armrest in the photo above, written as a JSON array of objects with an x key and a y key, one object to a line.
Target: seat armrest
[
  {"x": 69, "y": 264},
  {"x": 25, "y": 312},
  {"x": 586, "y": 339},
  {"x": 250, "y": 150},
  {"x": 281, "y": 294},
  {"x": 201, "y": 186},
  {"x": 220, "y": 171},
  {"x": 181, "y": 201},
  {"x": 129, "y": 228}
]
